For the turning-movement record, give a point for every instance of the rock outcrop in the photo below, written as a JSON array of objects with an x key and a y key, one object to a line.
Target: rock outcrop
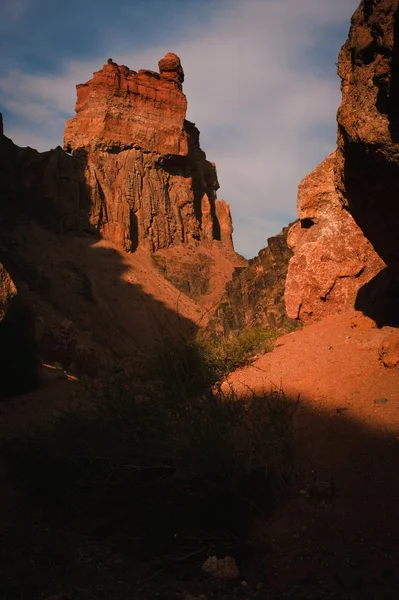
[
  {"x": 367, "y": 172},
  {"x": 43, "y": 186},
  {"x": 132, "y": 177},
  {"x": 354, "y": 193},
  {"x": 332, "y": 258},
  {"x": 19, "y": 364},
  {"x": 7, "y": 291},
  {"x": 146, "y": 181},
  {"x": 389, "y": 352},
  {"x": 255, "y": 295}
]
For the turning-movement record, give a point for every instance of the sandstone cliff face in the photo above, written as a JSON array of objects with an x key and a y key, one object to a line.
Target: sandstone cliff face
[
  {"x": 146, "y": 181},
  {"x": 368, "y": 125},
  {"x": 332, "y": 258},
  {"x": 134, "y": 174},
  {"x": 255, "y": 295},
  {"x": 43, "y": 186}
]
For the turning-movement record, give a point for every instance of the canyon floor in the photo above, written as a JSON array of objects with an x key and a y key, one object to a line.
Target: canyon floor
[{"x": 335, "y": 533}]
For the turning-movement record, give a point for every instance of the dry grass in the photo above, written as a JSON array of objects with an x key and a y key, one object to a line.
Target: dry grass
[{"x": 182, "y": 457}]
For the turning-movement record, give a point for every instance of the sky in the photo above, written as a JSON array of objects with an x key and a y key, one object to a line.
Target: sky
[{"x": 260, "y": 80}]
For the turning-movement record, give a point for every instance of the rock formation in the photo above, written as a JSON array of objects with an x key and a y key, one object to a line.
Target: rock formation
[
  {"x": 43, "y": 186},
  {"x": 255, "y": 295},
  {"x": 368, "y": 125},
  {"x": 113, "y": 303},
  {"x": 7, "y": 291},
  {"x": 19, "y": 364},
  {"x": 332, "y": 258},
  {"x": 146, "y": 181},
  {"x": 132, "y": 177},
  {"x": 389, "y": 352},
  {"x": 333, "y": 265}
]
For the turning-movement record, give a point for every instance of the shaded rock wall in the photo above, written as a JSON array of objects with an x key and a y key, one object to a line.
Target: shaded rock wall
[
  {"x": 367, "y": 173},
  {"x": 43, "y": 186},
  {"x": 19, "y": 361},
  {"x": 132, "y": 172},
  {"x": 349, "y": 206},
  {"x": 255, "y": 296}
]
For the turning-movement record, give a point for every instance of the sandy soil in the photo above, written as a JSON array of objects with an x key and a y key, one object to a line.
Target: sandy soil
[{"x": 337, "y": 533}]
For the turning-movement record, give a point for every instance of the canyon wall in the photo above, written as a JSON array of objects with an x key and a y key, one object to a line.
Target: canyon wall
[
  {"x": 146, "y": 181},
  {"x": 131, "y": 177},
  {"x": 255, "y": 295},
  {"x": 367, "y": 168},
  {"x": 346, "y": 247},
  {"x": 332, "y": 259}
]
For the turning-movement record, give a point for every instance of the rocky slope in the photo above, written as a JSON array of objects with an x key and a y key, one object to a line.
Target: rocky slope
[{"x": 132, "y": 178}]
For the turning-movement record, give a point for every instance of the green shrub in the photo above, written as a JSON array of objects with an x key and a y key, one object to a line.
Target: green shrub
[
  {"x": 227, "y": 353},
  {"x": 291, "y": 325}
]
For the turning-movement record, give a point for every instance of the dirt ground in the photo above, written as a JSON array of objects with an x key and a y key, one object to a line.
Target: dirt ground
[{"x": 335, "y": 533}]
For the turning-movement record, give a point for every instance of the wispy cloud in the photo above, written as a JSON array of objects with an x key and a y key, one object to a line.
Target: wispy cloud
[{"x": 264, "y": 103}]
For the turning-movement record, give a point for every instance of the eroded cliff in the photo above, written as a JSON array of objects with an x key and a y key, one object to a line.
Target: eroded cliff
[
  {"x": 367, "y": 172},
  {"x": 349, "y": 206},
  {"x": 255, "y": 295},
  {"x": 132, "y": 177},
  {"x": 146, "y": 180},
  {"x": 332, "y": 259}
]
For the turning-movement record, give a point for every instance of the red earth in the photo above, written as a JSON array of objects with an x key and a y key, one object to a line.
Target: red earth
[{"x": 335, "y": 533}]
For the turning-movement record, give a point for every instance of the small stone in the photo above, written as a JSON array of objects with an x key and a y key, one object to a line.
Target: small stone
[
  {"x": 244, "y": 583},
  {"x": 221, "y": 568},
  {"x": 381, "y": 401},
  {"x": 389, "y": 351},
  {"x": 341, "y": 410}
]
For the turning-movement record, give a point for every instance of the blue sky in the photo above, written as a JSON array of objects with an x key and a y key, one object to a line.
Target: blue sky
[{"x": 260, "y": 81}]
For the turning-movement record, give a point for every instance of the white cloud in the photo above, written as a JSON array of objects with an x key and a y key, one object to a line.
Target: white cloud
[{"x": 252, "y": 90}]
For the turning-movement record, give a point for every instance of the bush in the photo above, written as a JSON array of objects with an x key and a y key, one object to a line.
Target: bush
[
  {"x": 238, "y": 349},
  {"x": 177, "y": 461},
  {"x": 191, "y": 367}
]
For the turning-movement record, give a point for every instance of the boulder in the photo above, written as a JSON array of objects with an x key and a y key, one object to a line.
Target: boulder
[{"x": 332, "y": 259}]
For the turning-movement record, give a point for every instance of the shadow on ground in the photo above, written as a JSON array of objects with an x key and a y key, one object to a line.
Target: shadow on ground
[
  {"x": 334, "y": 533},
  {"x": 64, "y": 271}
]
